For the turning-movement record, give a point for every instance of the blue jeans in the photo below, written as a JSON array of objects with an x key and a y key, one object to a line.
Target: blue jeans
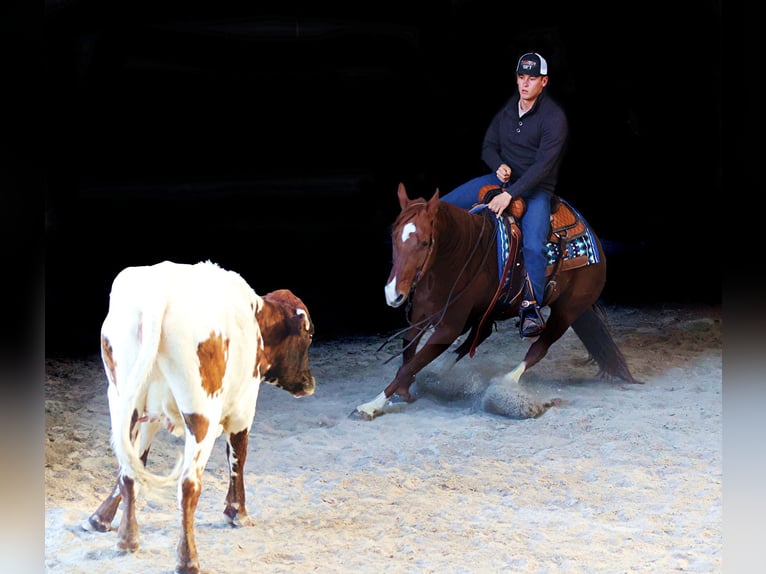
[{"x": 535, "y": 225}]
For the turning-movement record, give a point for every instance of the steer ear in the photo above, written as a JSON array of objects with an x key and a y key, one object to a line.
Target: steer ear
[
  {"x": 283, "y": 312},
  {"x": 303, "y": 312}
]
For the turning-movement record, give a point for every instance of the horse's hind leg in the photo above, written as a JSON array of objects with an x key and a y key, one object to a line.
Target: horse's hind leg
[{"x": 557, "y": 325}]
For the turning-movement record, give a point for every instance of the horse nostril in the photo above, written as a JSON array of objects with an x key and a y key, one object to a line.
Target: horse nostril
[{"x": 395, "y": 302}]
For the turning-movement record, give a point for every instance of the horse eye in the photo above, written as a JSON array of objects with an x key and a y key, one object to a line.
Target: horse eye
[{"x": 424, "y": 243}]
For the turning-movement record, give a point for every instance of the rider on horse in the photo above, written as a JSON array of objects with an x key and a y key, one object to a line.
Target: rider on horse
[{"x": 524, "y": 144}]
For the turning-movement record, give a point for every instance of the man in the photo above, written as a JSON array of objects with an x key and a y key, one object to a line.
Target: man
[{"x": 524, "y": 145}]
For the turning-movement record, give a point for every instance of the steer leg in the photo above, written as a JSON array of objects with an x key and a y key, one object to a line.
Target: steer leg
[
  {"x": 236, "y": 452},
  {"x": 127, "y": 533},
  {"x": 101, "y": 520},
  {"x": 188, "y": 559},
  {"x": 198, "y": 446}
]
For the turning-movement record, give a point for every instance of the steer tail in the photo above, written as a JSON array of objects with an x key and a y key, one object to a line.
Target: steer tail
[
  {"x": 131, "y": 400},
  {"x": 593, "y": 331}
]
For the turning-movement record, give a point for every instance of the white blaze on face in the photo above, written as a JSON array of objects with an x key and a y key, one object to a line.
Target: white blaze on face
[
  {"x": 408, "y": 230},
  {"x": 390, "y": 291},
  {"x": 391, "y": 295}
]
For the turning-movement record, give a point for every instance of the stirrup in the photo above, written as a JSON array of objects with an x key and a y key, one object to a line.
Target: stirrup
[{"x": 531, "y": 322}]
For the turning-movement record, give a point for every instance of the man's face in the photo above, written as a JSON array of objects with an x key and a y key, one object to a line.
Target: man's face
[{"x": 530, "y": 86}]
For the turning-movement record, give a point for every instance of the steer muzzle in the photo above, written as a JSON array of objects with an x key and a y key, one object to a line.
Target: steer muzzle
[{"x": 301, "y": 386}]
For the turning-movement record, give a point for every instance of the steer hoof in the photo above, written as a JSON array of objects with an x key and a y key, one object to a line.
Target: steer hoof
[
  {"x": 188, "y": 569},
  {"x": 127, "y": 547},
  {"x": 241, "y": 521},
  {"x": 237, "y": 518},
  {"x": 95, "y": 524}
]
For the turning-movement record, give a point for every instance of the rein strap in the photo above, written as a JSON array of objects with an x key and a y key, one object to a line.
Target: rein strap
[{"x": 500, "y": 285}]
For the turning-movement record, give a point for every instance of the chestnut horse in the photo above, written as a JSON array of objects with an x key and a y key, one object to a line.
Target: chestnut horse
[{"x": 445, "y": 264}]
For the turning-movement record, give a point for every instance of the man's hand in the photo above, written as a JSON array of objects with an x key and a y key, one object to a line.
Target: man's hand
[
  {"x": 500, "y": 203},
  {"x": 503, "y": 173}
]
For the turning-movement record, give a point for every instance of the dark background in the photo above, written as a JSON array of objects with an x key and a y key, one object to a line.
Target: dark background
[{"x": 270, "y": 138}]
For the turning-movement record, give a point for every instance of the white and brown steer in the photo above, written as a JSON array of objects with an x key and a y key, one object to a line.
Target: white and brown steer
[{"x": 186, "y": 347}]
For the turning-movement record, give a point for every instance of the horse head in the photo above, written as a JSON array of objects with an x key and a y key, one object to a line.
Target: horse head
[{"x": 412, "y": 239}]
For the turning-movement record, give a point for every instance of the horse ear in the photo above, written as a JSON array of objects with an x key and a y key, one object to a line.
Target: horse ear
[
  {"x": 434, "y": 201},
  {"x": 404, "y": 201}
]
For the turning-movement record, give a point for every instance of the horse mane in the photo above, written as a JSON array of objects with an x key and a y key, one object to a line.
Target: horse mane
[{"x": 454, "y": 227}]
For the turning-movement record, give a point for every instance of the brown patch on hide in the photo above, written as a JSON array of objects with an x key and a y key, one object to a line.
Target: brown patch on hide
[
  {"x": 108, "y": 358},
  {"x": 212, "y": 362},
  {"x": 197, "y": 425}
]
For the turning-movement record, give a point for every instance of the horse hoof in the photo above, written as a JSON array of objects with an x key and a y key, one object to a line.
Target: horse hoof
[
  {"x": 630, "y": 385},
  {"x": 363, "y": 415},
  {"x": 393, "y": 404}
]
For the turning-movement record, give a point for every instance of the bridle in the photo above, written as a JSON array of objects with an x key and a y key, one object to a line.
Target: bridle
[
  {"x": 426, "y": 259},
  {"x": 452, "y": 297}
]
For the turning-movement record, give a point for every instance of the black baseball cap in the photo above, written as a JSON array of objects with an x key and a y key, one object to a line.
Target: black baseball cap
[{"x": 532, "y": 64}]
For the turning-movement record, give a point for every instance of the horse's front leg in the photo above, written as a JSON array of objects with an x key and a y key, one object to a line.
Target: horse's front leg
[
  {"x": 409, "y": 348},
  {"x": 412, "y": 363},
  {"x": 411, "y": 366}
]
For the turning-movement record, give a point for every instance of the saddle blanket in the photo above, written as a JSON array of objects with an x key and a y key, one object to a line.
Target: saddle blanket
[{"x": 579, "y": 250}]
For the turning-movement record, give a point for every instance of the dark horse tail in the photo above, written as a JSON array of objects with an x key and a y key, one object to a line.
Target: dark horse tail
[{"x": 593, "y": 331}]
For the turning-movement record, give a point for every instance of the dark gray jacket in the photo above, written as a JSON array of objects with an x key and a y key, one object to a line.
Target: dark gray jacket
[{"x": 532, "y": 146}]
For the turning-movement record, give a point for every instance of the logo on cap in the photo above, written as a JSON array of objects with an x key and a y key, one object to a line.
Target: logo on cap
[{"x": 532, "y": 64}]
